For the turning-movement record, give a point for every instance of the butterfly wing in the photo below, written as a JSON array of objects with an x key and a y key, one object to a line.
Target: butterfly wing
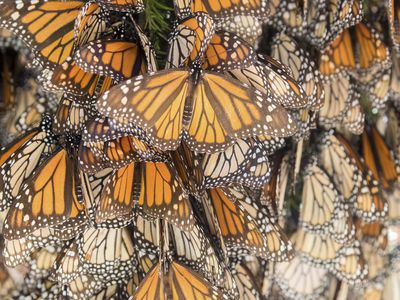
[
  {"x": 187, "y": 284},
  {"x": 46, "y": 26},
  {"x": 132, "y": 6},
  {"x": 155, "y": 103},
  {"x": 182, "y": 44},
  {"x": 162, "y": 197},
  {"x": 225, "y": 8},
  {"x": 117, "y": 198},
  {"x": 152, "y": 286},
  {"x": 228, "y": 51},
  {"x": 47, "y": 200},
  {"x": 244, "y": 162},
  {"x": 117, "y": 59},
  {"x": 225, "y": 110}
]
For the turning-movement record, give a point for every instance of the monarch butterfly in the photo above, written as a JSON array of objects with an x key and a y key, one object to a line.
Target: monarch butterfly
[
  {"x": 320, "y": 200},
  {"x": 273, "y": 192},
  {"x": 279, "y": 247},
  {"x": 354, "y": 117},
  {"x": 194, "y": 84},
  {"x": 90, "y": 24},
  {"x": 146, "y": 46},
  {"x": 338, "y": 56},
  {"x": 132, "y": 6},
  {"x": 32, "y": 104},
  {"x": 291, "y": 20},
  {"x": 191, "y": 248},
  {"x": 244, "y": 162},
  {"x": 118, "y": 59},
  {"x": 46, "y": 26},
  {"x": 375, "y": 233},
  {"x": 319, "y": 22},
  {"x": 18, "y": 251},
  {"x": 343, "y": 228},
  {"x": 105, "y": 143},
  {"x": 393, "y": 11},
  {"x": 107, "y": 253},
  {"x": 15, "y": 251},
  {"x": 222, "y": 8},
  {"x": 225, "y": 50},
  {"x": 247, "y": 285},
  {"x": 78, "y": 84},
  {"x": 88, "y": 161},
  {"x": 209, "y": 92},
  {"x": 369, "y": 205},
  {"x": 19, "y": 160},
  {"x": 299, "y": 279},
  {"x": 285, "y": 50},
  {"x": 350, "y": 265},
  {"x": 342, "y": 168},
  {"x": 238, "y": 229},
  {"x": 316, "y": 248},
  {"x": 190, "y": 40},
  {"x": 271, "y": 78},
  {"x": 123, "y": 150},
  {"x": 179, "y": 280},
  {"x": 42, "y": 261},
  {"x": 379, "y": 158},
  {"x": 69, "y": 266},
  {"x": 71, "y": 116},
  {"x": 247, "y": 27},
  {"x": 187, "y": 165},
  {"x": 271, "y": 144},
  {"x": 137, "y": 182},
  {"x": 373, "y": 54},
  {"x": 146, "y": 234},
  {"x": 378, "y": 90},
  {"x": 339, "y": 92},
  {"x": 101, "y": 129},
  {"x": 83, "y": 286},
  {"x": 55, "y": 235},
  {"x": 341, "y": 55},
  {"x": 92, "y": 186},
  {"x": 36, "y": 207}
]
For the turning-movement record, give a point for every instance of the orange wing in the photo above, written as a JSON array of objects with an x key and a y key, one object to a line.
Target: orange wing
[
  {"x": 117, "y": 198},
  {"x": 338, "y": 56},
  {"x": 186, "y": 284},
  {"x": 227, "y": 51},
  {"x": 225, "y": 110},
  {"x": 162, "y": 197},
  {"x": 373, "y": 52},
  {"x": 90, "y": 24},
  {"x": 47, "y": 200},
  {"x": 228, "y": 8},
  {"x": 117, "y": 59},
  {"x": 133, "y": 6},
  {"x": 155, "y": 102},
  {"x": 75, "y": 81},
  {"x": 237, "y": 228},
  {"x": 152, "y": 286},
  {"x": 46, "y": 26},
  {"x": 389, "y": 168}
]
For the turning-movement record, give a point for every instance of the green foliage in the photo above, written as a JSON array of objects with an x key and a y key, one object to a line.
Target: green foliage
[
  {"x": 157, "y": 24},
  {"x": 371, "y": 116}
]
